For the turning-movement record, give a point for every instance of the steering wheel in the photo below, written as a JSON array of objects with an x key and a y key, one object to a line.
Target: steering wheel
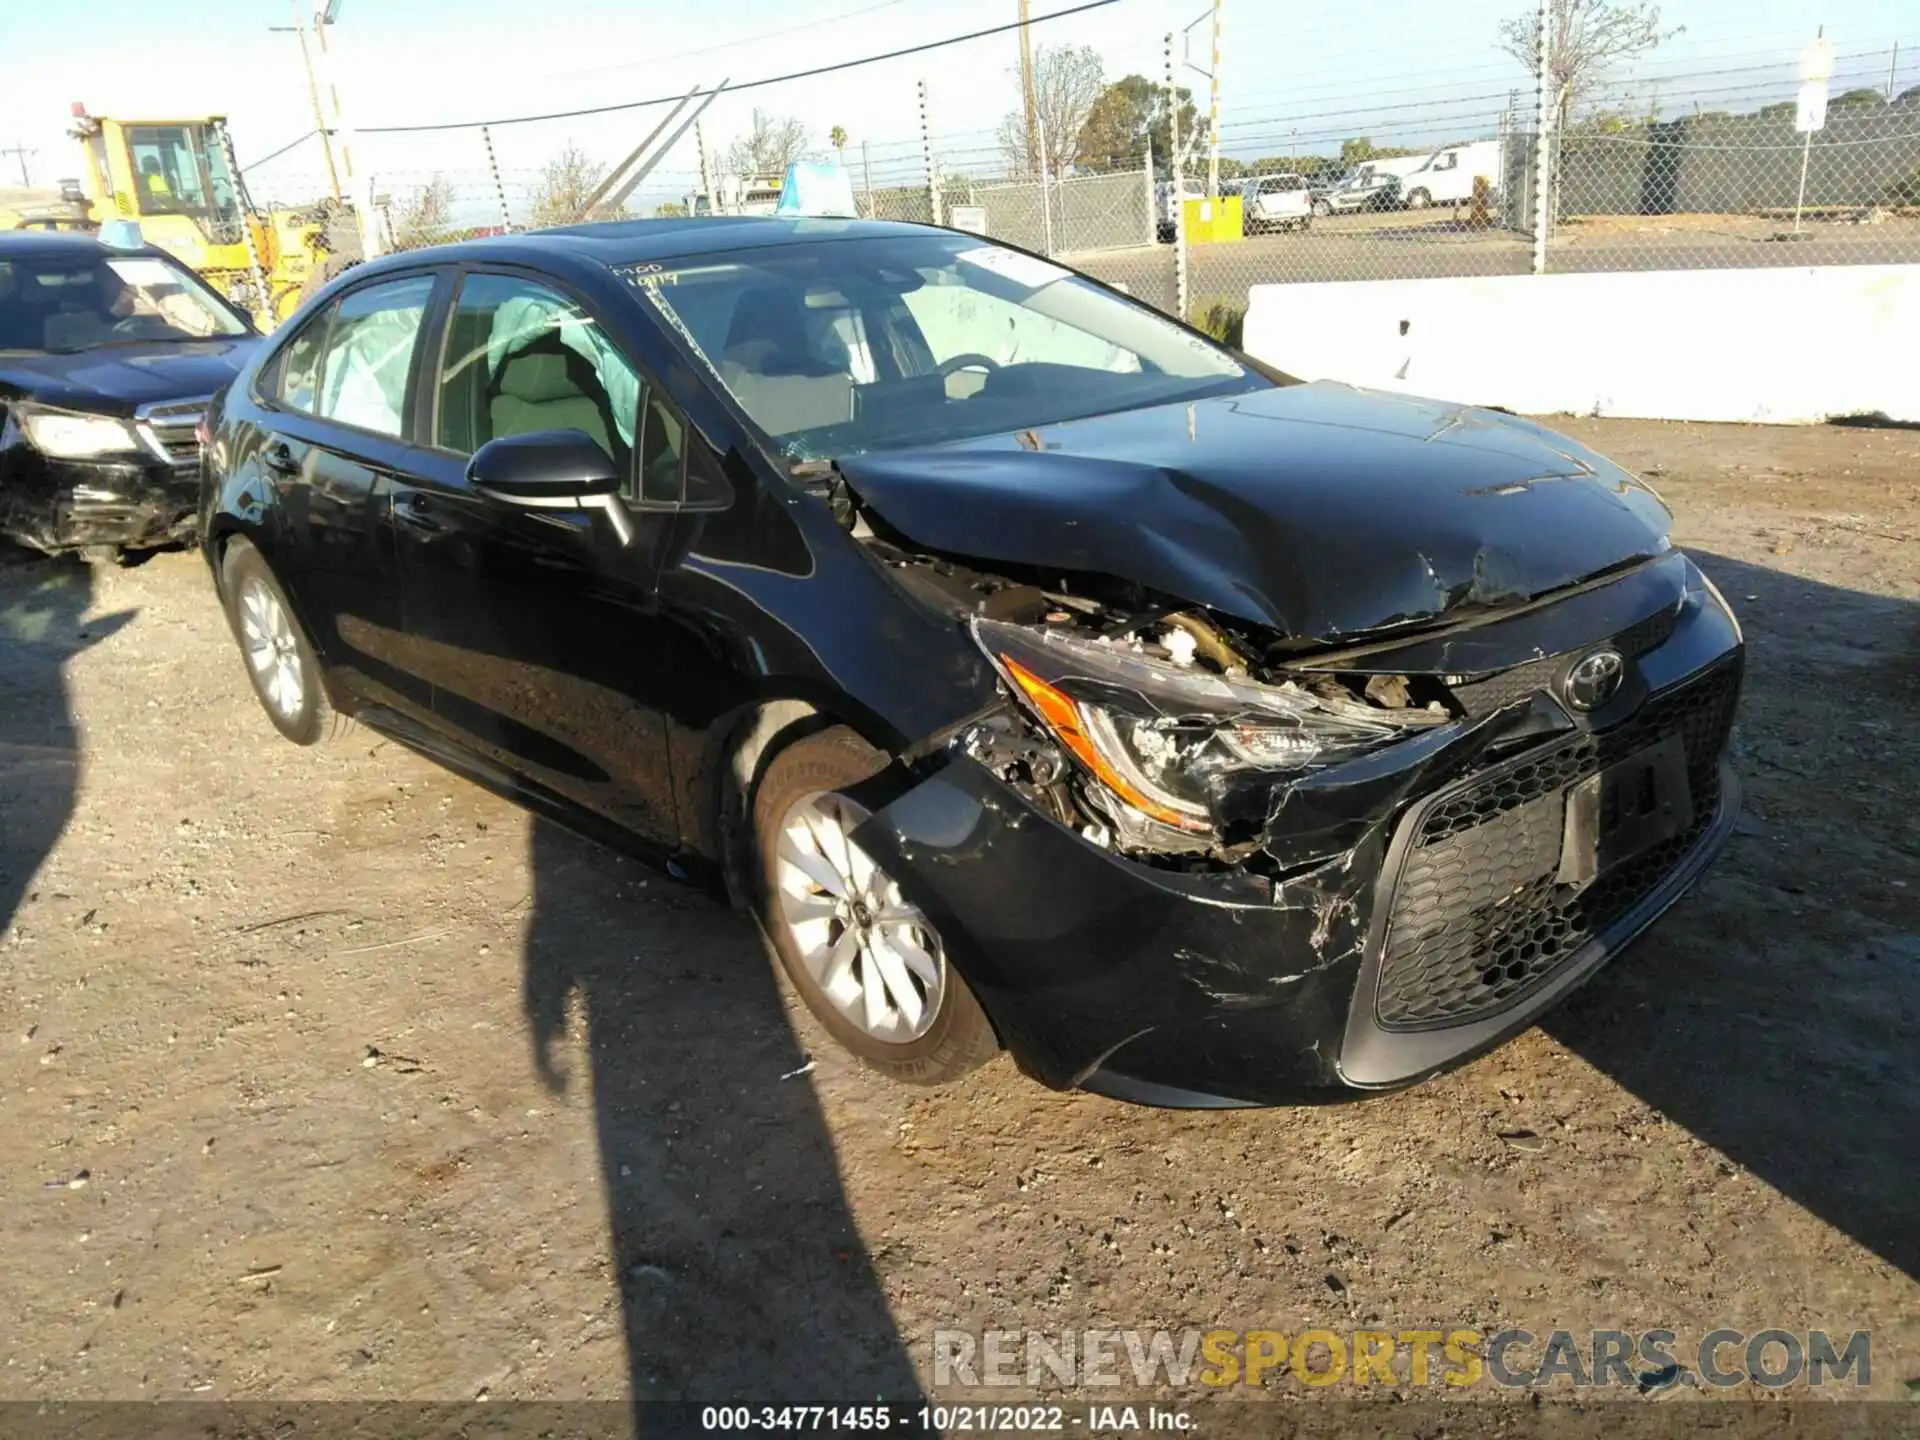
[{"x": 967, "y": 361}]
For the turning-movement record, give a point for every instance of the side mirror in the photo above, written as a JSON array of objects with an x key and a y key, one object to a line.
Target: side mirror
[{"x": 551, "y": 470}]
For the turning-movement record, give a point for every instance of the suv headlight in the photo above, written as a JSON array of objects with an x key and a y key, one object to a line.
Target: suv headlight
[
  {"x": 68, "y": 436},
  {"x": 1159, "y": 737}
]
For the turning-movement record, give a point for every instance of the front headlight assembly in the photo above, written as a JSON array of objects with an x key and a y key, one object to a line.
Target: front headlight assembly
[
  {"x": 1160, "y": 739},
  {"x": 66, "y": 435}
]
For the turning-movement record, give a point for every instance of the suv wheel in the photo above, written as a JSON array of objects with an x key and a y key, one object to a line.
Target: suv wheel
[
  {"x": 869, "y": 965},
  {"x": 280, "y": 662},
  {"x": 1418, "y": 199}
]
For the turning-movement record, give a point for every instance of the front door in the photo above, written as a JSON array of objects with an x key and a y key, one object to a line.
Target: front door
[{"x": 537, "y": 628}]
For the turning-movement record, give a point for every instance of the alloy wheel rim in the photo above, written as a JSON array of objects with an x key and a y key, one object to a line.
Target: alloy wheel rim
[
  {"x": 266, "y": 634},
  {"x": 876, "y": 959}
]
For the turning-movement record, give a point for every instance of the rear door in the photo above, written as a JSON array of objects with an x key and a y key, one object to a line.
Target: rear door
[
  {"x": 334, "y": 442},
  {"x": 537, "y": 628}
]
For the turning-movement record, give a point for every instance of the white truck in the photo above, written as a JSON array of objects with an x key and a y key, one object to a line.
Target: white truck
[
  {"x": 1275, "y": 202},
  {"x": 1446, "y": 177}
]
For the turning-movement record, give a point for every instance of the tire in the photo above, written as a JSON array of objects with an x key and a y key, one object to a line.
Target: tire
[
  {"x": 808, "y": 927},
  {"x": 1418, "y": 199},
  {"x": 286, "y": 677},
  {"x": 1322, "y": 209}
]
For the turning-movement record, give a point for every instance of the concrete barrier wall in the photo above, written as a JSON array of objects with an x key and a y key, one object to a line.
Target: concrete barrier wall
[{"x": 1776, "y": 345}]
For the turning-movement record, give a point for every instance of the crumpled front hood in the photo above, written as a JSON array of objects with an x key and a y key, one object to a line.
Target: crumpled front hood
[
  {"x": 116, "y": 379},
  {"x": 1320, "y": 510}
]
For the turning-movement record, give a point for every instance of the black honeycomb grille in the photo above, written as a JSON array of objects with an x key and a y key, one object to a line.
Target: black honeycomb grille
[{"x": 1478, "y": 918}]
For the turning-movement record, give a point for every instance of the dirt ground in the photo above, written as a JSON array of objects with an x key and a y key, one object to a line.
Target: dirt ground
[{"x": 326, "y": 1073}]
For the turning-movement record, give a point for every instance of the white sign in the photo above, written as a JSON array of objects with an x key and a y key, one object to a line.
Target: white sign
[
  {"x": 1810, "y": 114},
  {"x": 968, "y": 217}
]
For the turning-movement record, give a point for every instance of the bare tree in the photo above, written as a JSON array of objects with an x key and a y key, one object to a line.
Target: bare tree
[
  {"x": 1590, "y": 37},
  {"x": 1067, "y": 82},
  {"x": 768, "y": 148},
  {"x": 560, "y": 196},
  {"x": 422, "y": 217}
]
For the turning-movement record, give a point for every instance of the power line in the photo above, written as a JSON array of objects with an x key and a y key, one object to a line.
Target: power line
[
  {"x": 290, "y": 145},
  {"x": 746, "y": 85}
]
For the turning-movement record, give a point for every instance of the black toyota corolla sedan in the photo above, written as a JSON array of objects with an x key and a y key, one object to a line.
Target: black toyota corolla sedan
[
  {"x": 107, "y": 359},
  {"x": 1039, "y": 673}
]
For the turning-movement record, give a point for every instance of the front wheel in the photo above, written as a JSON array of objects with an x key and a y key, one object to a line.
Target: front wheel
[
  {"x": 1418, "y": 199},
  {"x": 869, "y": 964},
  {"x": 1322, "y": 209},
  {"x": 281, "y": 666}
]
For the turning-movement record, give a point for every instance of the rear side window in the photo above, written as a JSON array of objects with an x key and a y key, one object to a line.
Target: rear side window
[{"x": 368, "y": 356}]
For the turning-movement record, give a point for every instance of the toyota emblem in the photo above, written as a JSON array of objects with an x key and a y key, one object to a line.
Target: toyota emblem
[{"x": 1594, "y": 679}]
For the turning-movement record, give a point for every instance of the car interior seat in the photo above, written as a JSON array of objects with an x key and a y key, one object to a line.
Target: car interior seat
[
  {"x": 779, "y": 377},
  {"x": 547, "y": 385}
]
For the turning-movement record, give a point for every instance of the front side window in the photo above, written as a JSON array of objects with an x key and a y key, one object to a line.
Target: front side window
[
  {"x": 84, "y": 303},
  {"x": 520, "y": 357},
  {"x": 842, "y": 346},
  {"x": 369, "y": 355}
]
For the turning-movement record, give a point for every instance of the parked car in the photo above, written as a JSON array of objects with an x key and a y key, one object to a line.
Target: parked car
[
  {"x": 1275, "y": 202},
  {"x": 1447, "y": 177},
  {"x": 107, "y": 359},
  {"x": 1362, "y": 190},
  {"x": 1039, "y": 673}
]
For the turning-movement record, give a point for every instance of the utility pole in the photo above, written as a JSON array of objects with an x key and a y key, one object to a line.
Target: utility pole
[
  {"x": 1892, "y": 65},
  {"x": 1213, "y": 120},
  {"x": 1027, "y": 91},
  {"x": 20, "y": 153},
  {"x": 866, "y": 173},
  {"x": 313, "y": 96}
]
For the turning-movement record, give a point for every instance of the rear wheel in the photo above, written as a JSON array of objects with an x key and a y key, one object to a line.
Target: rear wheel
[
  {"x": 869, "y": 965},
  {"x": 1418, "y": 199},
  {"x": 280, "y": 662},
  {"x": 1322, "y": 209}
]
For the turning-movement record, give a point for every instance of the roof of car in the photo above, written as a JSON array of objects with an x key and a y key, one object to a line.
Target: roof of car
[
  {"x": 628, "y": 242},
  {"x": 60, "y": 244}
]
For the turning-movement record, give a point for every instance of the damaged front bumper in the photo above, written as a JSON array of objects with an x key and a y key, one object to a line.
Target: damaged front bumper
[
  {"x": 1426, "y": 908},
  {"x": 54, "y": 505}
]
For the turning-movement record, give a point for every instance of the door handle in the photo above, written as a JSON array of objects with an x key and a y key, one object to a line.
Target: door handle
[
  {"x": 415, "y": 510},
  {"x": 278, "y": 457}
]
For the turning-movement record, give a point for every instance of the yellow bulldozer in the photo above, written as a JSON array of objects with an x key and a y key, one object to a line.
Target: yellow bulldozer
[{"x": 177, "y": 179}]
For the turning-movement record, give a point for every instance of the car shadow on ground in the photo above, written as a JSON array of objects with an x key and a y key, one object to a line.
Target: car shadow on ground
[
  {"x": 1774, "y": 1013},
  {"x": 42, "y": 605},
  {"x": 742, "y": 1274}
]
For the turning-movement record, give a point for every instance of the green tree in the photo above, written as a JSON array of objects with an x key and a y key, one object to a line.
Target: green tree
[
  {"x": 1130, "y": 113},
  {"x": 1865, "y": 98}
]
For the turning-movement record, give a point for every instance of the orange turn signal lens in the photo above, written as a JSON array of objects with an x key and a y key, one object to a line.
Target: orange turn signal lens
[{"x": 1062, "y": 716}]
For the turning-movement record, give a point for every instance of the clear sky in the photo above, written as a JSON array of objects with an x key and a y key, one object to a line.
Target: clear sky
[{"x": 1294, "y": 76}]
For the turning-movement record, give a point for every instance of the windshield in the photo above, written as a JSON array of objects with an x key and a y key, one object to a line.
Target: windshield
[
  {"x": 67, "y": 303},
  {"x": 843, "y": 346}
]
